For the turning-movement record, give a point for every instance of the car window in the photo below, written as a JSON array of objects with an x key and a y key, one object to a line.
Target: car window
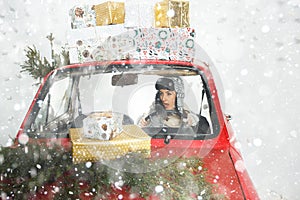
[
  {"x": 56, "y": 102},
  {"x": 97, "y": 94}
]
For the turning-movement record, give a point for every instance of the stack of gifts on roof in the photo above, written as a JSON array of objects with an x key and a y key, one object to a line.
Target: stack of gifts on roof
[{"x": 133, "y": 29}]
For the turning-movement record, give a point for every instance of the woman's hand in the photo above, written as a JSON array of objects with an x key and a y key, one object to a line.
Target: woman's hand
[
  {"x": 192, "y": 120},
  {"x": 143, "y": 122}
]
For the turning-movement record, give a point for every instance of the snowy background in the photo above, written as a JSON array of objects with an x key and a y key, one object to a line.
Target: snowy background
[{"x": 254, "y": 44}]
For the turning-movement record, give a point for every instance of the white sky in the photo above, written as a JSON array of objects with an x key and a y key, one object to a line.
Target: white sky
[{"x": 255, "y": 47}]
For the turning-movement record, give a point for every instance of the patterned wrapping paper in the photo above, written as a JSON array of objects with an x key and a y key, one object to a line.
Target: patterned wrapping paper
[
  {"x": 82, "y": 16},
  {"x": 166, "y": 44},
  {"x": 172, "y": 14},
  {"x": 110, "y": 13},
  {"x": 131, "y": 139},
  {"x": 142, "y": 43},
  {"x": 102, "y": 125},
  {"x": 82, "y": 42}
]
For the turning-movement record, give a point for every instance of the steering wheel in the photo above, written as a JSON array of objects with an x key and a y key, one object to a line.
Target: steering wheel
[{"x": 127, "y": 120}]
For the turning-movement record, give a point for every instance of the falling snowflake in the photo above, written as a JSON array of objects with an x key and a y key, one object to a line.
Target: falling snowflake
[
  {"x": 239, "y": 166},
  {"x": 23, "y": 139},
  {"x": 159, "y": 189}
]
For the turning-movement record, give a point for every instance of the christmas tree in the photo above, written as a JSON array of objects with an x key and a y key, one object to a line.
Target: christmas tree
[{"x": 38, "y": 66}]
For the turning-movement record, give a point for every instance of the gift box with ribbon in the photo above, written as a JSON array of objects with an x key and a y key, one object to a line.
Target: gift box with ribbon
[
  {"x": 131, "y": 139},
  {"x": 102, "y": 125},
  {"x": 172, "y": 14},
  {"x": 109, "y": 13}
]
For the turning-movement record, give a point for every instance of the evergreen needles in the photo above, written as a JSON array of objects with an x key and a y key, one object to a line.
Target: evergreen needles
[
  {"x": 27, "y": 172},
  {"x": 37, "y": 66}
]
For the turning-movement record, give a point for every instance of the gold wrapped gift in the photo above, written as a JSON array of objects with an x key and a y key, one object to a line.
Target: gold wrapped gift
[
  {"x": 131, "y": 139},
  {"x": 110, "y": 12},
  {"x": 172, "y": 14}
]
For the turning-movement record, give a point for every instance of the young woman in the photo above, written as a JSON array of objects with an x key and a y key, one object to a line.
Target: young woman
[{"x": 168, "y": 108}]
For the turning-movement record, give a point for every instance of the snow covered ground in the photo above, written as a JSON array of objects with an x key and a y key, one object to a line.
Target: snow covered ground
[{"x": 255, "y": 45}]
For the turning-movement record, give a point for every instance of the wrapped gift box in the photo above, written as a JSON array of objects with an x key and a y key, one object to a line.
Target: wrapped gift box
[
  {"x": 82, "y": 16},
  {"x": 139, "y": 13},
  {"x": 109, "y": 13},
  {"x": 149, "y": 43},
  {"x": 82, "y": 42},
  {"x": 131, "y": 139},
  {"x": 140, "y": 43},
  {"x": 102, "y": 125},
  {"x": 172, "y": 13},
  {"x": 166, "y": 43},
  {"x": 81, "y": 50}
]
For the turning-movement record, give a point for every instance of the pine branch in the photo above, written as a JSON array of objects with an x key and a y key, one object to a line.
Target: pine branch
[
  {"x": 27, "y": 169},
  {"x": 37, "y": 66}
]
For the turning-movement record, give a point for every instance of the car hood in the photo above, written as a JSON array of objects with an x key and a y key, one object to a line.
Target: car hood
[
  {"x": 217, "y": 160},
  {"x": 222, "y": 172}
]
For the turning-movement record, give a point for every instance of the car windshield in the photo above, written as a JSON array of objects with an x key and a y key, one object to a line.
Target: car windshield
[{"x": 72, "y": 94}]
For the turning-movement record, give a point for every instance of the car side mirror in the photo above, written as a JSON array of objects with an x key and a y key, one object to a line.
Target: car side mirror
[{"x": 228, "y": 117}]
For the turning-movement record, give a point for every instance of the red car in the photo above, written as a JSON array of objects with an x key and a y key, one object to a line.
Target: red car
[{"x": 187, "y": 157}]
